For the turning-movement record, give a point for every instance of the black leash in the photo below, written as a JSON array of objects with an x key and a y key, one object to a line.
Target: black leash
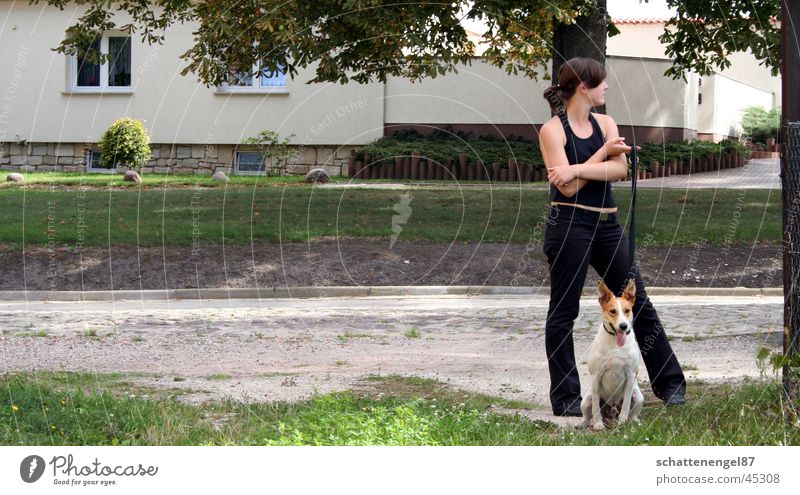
[{"x": 632, "y": 225}]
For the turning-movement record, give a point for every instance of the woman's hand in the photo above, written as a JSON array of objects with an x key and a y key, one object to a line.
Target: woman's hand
[
  {"x": 561, "y": 175},
  {"x": 616, "y": 146}
]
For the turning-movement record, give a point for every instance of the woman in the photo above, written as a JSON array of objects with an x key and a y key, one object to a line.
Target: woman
[{"x": 584, "y": 153}]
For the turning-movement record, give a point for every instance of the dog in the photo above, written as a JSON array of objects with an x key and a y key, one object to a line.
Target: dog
[{"x": 614, "y": 361}]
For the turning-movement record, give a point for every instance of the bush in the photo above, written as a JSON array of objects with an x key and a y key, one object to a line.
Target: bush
[
  {"x": 443, "y": 145},
  {"x": 759, "y": 124},
  {"x": 682, "y": 151},
  {"x": 125, "y": 143},
  {"x": 271, "y": 146}
]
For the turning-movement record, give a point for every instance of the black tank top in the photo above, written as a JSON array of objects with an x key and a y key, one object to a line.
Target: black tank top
[{"x": 595, "y": 193}]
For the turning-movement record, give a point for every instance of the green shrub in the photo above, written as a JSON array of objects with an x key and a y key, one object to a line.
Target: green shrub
[
  {"x": 729, "y": 145},
  {"x": 443, "y": 145},
  {"x": 682, "y": 151},
  {"x": 759, "y": 124},
  {"x": 271, "y": 146},
  {"x": 125, "y": 143}
]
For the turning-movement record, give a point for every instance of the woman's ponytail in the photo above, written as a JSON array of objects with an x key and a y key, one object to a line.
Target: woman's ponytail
[{"x": 554, "y": 98}]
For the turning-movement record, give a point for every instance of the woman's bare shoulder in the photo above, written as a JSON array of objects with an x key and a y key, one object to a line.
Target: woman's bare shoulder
[{"x": 553, "y": 126}]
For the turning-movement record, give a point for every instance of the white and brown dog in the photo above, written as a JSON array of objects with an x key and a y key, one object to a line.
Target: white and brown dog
[{"x": 614, "y": 361}]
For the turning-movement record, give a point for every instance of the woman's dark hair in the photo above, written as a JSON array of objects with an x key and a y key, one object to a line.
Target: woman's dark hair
[{"x": 574, "y": 72}]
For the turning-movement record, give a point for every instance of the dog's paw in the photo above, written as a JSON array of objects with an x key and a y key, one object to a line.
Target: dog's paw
[
  {"x": 583, "y": 425},
  {"x": 598, "y": 426}
]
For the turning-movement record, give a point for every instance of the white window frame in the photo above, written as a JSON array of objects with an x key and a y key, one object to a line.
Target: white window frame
[
  {"x": 97, "y": 170},
  {"x": 236, "y": 170},
  {"x": 256, "y": 87},
  {"x": 73, "y": 87}
]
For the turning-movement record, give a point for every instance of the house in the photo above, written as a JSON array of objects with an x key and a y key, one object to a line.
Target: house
[
  {"x": 54, "y": 108},
  {"x": 714, "y": 110}
]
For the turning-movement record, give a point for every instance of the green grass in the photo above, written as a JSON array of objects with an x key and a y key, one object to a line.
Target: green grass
[
  {"x": 219, "y": 377},
  {"x": 48, "y": 179},
  {"x": 40, "y": 333},
  {"x": 83, "y": 409},
  {"x": 412, "y": 333},
  {"x": 348, "y": 336},
  {"x": 178, "y": 216}
]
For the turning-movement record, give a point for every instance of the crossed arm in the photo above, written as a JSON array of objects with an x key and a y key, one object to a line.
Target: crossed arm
[{"x": 607, "y": 164}]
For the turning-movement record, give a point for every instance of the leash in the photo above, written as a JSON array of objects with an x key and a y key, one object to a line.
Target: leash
[{"x": 632, "y": 225}]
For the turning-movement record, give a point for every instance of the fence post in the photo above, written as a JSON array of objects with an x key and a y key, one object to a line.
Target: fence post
[{"x": 351, "y": 164}]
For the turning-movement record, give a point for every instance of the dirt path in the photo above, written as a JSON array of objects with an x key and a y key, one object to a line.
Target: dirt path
[{"x": 273, "y": 350}]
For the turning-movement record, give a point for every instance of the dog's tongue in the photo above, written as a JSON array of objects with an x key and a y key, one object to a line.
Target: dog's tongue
[{"x": 621, "y": 338}]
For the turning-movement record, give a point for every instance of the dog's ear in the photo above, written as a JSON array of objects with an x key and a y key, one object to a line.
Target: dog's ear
[
  {"x": 604, "y": 293},
  {"x": 630, "y": 291}
]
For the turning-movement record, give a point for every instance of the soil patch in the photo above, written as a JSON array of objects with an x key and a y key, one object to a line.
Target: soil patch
[{"x": 363, "y": 262}]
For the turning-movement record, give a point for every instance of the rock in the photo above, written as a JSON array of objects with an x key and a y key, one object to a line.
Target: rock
[
  {"x": 220, "y": 176},
  {"x": 317, "y": 175},
  {"x": 16, "y": 178},
  {"x": 132, "y": 176}
]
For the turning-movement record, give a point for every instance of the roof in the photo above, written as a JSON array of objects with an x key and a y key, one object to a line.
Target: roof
[{"x": 639, "y": 20}]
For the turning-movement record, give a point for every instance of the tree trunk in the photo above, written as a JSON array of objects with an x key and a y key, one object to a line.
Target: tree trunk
[{"x": 586, "y": 38}]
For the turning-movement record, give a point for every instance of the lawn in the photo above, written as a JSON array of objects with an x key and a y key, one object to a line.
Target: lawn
[
  {"x": 84, "y": 409},
  {"x": 273, "y": 211},
  {"x": 152, "y": 181}
]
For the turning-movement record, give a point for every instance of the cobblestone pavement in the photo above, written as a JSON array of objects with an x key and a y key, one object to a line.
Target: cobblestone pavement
[
  {"x": 288, "y": 349},
  {"x": 761, "y": 173}
]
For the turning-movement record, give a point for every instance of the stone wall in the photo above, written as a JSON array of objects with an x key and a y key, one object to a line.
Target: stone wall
[
  {"x": 43, "y": 157},
  {"x": 167, "y": 158}
]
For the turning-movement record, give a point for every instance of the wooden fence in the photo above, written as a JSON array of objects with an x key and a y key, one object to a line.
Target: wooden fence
[{"x": 416, "y": 167}]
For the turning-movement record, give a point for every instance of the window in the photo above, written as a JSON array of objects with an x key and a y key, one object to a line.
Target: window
[
  {"x": 114, "y": 75},
  {"x": 250, "y": 162},
  {"x": 262, "y": 82},
  {"x": 93, "y": 163}
]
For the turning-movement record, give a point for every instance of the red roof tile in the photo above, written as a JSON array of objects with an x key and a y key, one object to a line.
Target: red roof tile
[{"x": 639, "y": 20}]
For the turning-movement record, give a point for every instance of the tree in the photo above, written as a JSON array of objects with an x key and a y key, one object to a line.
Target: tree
[
  {"x": 348, "y": 40},
  {"x": 759, "y": 124},
  {"x": 703, "y": 34},
  {"x": 365, "y": 40}
]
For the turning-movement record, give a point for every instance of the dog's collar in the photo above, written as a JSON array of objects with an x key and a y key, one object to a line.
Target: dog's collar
[{"x": 610, "y": 332}]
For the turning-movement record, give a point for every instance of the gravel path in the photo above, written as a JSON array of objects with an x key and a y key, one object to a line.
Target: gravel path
[{"x": 289, "y": 349}]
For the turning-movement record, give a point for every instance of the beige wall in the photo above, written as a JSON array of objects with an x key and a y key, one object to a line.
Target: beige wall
[
  {"x": 637, "y": 40},
  {"x": 724, "y": 94},
  {"x": 723, "y": 102},
  {"x": 641, "y": 40},
  {"x": 478, "y": 94},
  {"x": 746, "y": 70},
  {"x": 639, "y": 94},
  {"x": 481, "y": 94},
  {"x": 35, "y": 106}
]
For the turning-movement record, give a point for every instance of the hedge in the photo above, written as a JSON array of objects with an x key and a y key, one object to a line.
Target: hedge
[{"x": 444, "y": 149}]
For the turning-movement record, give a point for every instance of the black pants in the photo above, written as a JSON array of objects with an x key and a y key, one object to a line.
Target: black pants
[{"x": 574, "y": 239}]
